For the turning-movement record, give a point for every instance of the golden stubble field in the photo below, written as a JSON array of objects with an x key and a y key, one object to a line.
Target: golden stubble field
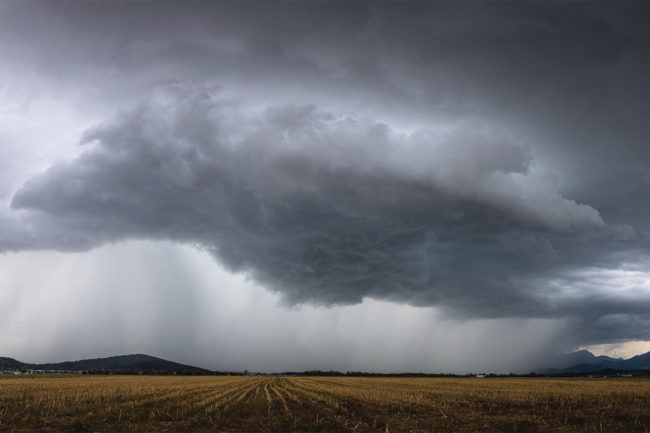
[{"x": 244, "y": 403}]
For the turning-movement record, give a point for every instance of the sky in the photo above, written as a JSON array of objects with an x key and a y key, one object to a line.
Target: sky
[{"x": 413, "y": 186}]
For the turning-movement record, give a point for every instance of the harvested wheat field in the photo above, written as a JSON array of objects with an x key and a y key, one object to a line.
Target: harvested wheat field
[{"x": 244, "y": 403}]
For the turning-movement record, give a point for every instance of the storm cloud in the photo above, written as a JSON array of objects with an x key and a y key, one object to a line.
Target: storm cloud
[
  {"x": 320, "y": 207},
  {"x": 487, "y": 159}
]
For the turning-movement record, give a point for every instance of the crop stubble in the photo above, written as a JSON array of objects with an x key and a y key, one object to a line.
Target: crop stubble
[{"x": 280, "y": 403}]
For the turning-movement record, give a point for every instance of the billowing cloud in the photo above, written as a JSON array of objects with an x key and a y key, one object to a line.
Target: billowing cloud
[{"x": 318, "y": 206}]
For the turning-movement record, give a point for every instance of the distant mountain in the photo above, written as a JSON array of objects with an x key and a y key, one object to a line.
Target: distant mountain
[
  {"x": 123, "y": 363},
  {"x": 639, "y": 362},
  {"x": 584, "y": 361},
  {"x": 582, "y": 357}
]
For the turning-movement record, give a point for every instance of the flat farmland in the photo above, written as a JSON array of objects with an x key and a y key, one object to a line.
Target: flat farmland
[{"x": 276, "y": 403}]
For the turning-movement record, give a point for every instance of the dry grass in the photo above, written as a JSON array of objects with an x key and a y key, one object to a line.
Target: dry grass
[{"x": 235, "y": 403}]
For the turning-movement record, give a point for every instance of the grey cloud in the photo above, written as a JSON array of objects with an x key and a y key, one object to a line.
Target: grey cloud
[
  {"x": 420, "y": 56},
  {"x": 317, "y": 206}
]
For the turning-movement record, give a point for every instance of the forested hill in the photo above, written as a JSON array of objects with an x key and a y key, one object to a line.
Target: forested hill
[{"x": 122, "y": 363}]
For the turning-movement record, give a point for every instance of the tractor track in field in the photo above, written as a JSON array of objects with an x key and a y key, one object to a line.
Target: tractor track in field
[
  {"x": 348, "y": 412},
  {"x": 220, "y": 402},
  {"x": 332, "y": 402},
  {"x": 189, "y": 405},
  {"x": 287, "y": 411},
  {"x": 218, "y": 393},
  {"x": 268, "y": 398},
  {"x": 246, "y": 392}
]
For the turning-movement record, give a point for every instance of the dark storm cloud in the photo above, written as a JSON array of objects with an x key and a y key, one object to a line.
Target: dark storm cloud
[
  {"x": 325, "y": 206},
  {"x": 319, "y": 207}
]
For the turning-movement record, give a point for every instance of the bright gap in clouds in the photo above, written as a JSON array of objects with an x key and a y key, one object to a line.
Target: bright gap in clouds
[
  {"x": 176, "y": 302},
  {"x": 624, "y": 350}
]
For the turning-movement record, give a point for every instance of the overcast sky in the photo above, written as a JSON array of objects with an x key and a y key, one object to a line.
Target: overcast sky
[{"x": 356, "y": 186}]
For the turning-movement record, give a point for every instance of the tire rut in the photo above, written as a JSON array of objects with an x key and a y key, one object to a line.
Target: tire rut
[{"x": 275, "y": 389}]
